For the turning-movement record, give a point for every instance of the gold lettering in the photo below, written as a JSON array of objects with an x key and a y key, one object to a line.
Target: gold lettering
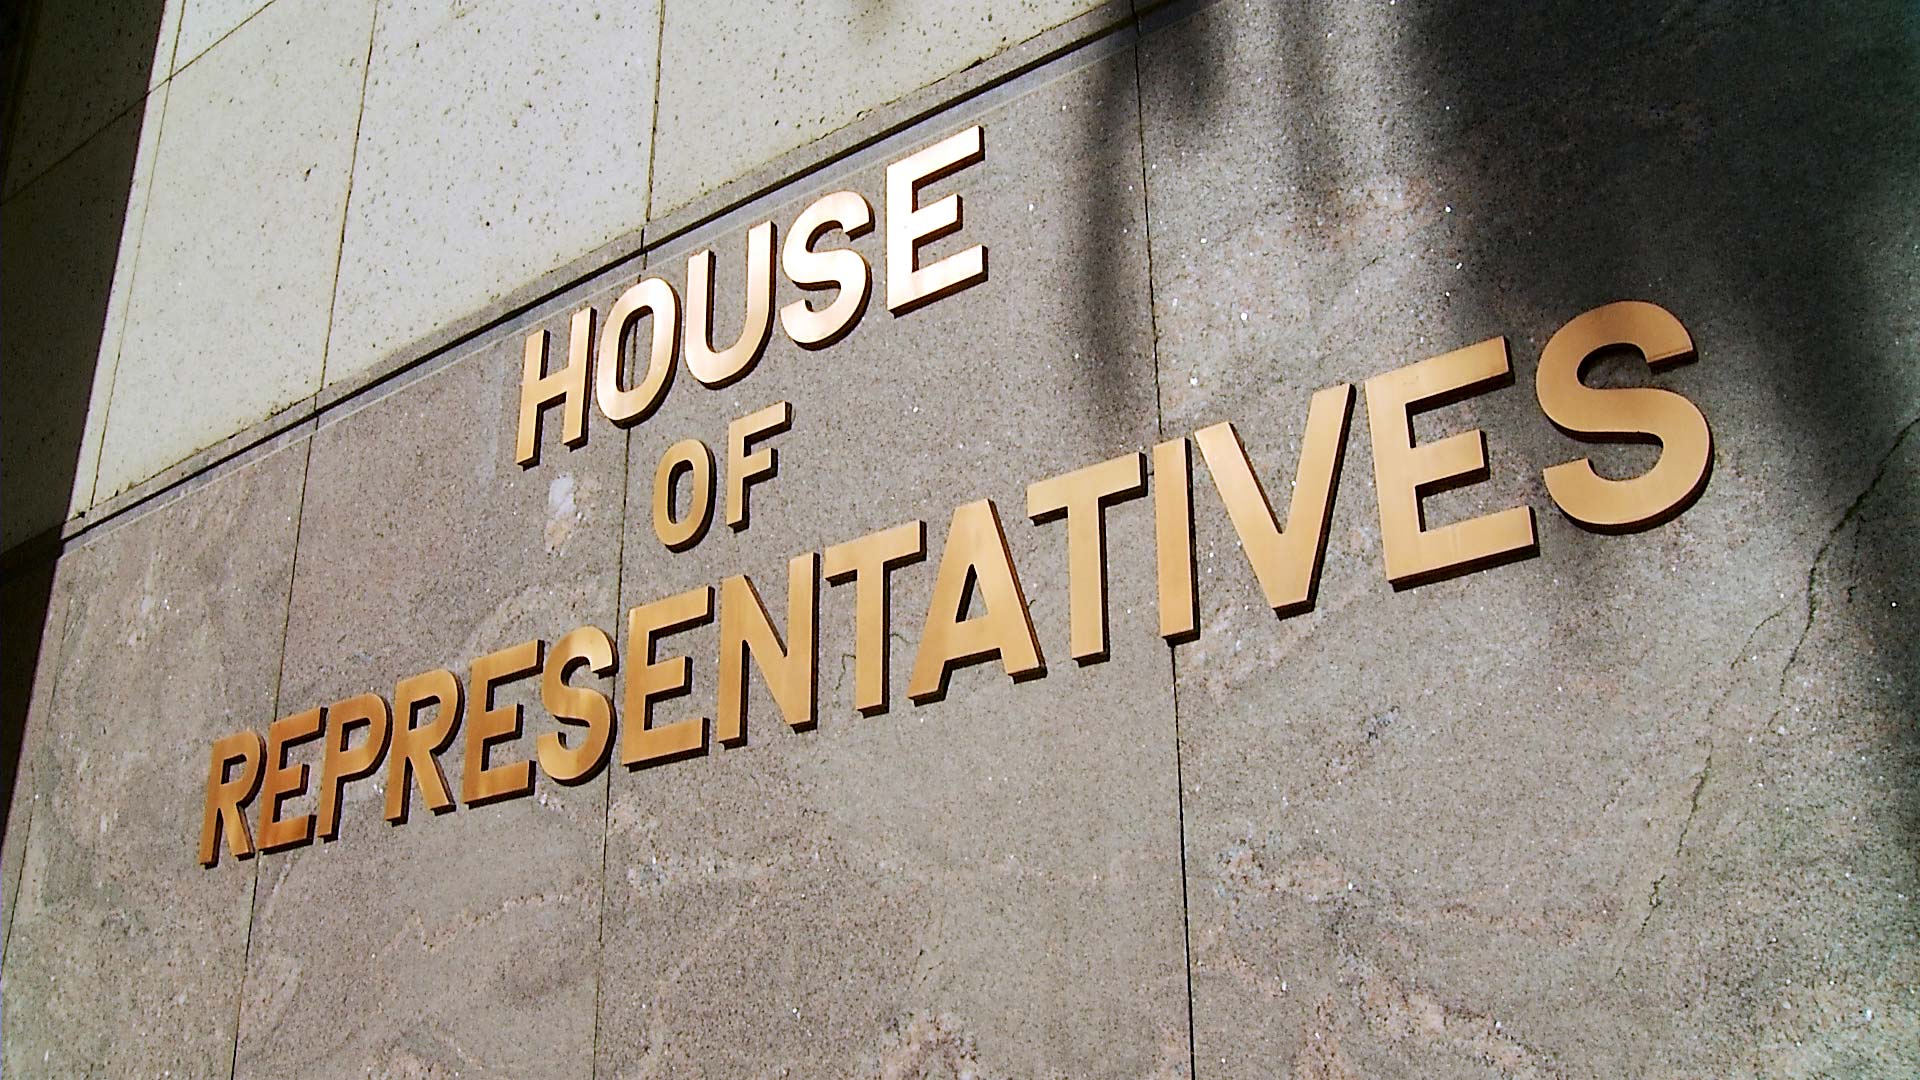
[
  {"x": 479, "y": 782},
  {"x": 743, "y": 468},
  {"x": 416, "y": 750},
  {"x": 720, "y": 367},
  {"x": 839, "y": 268},
  {"x": 867, "y": 563},
  {"x": 909, "y": 227},
  {"x": 539, "y": 389},
  {"x": 692, "y": 457},
  {"x": 976, "y": 557},
  {"x": 1287, "y": 562},
  {"x": 1173, "y": 540},
  {"x": 588, "y": 646},
  {"x": 649, "y": 681},
  {"x": 1686, "y": 444},
  {"x": 1082, "y": 497},
  {"x": 649, "y": 297},
  {"x": 790, "y": 670},
  {"x": 225, "y": 795},
  {"x": 283, "y": 782},
  {"x": 342, "y": 763},
  {"x": 1403, "y": 472}
]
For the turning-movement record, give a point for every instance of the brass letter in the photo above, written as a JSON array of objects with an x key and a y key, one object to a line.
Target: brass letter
[
  {"x": 224, "y": 795},
  {"x": 1686, "y": 445},
  {"x": 493, "y": 724},
  {"x": 282, "y": 783},
  {"x": 789, "y": 670},
  {"x": 692, "y": 457},
  {"x": 1083, "y": 496},
  {"x": 342, "y": 764},
  {"x": 1286, "y": 562},
  {"x": 720, "y": 367},
  {"x": 908, "y": 226},
  {"x": 866, "y": 562},
  {"x": 588, "y": 645},
  {"x": 416, "y": 749},
  {"x": 976, "y": 556},
  {"x": 1403, "y": 473},
  {"x": 624, "y": 407},
  {"x": 744, "y": 468},
  {"x": 1173, "y": 539},
  {"x": 538, "y": 389},
  {"x": 649, "y": 681},
  {"x": 841, "y": 268}
]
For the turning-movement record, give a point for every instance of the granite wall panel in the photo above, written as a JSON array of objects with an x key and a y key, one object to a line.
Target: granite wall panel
[
  {"x": 124, "y": 955},
  {"x": 1630, "y": 806},
  {"x": 461, "y": 941}
]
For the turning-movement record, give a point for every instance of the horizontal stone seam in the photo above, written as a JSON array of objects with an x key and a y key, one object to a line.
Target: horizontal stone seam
[{"x": 951, "y": 91}]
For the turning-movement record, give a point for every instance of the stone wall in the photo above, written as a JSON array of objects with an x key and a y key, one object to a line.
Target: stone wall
[{"x": 1637, "y": 804}]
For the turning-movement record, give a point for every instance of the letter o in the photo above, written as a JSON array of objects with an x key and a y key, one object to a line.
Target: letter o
[
  {"x": 690, "y": 456},
  {"x": 629, "y": 406}
]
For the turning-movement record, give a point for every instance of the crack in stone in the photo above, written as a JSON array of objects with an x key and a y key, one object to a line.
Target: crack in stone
[
  {"x": 1820, "y": 557},
  {"x": 1680, "y": 842}
]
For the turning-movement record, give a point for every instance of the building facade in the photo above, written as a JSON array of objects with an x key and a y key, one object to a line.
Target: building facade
[{"x": 705, "y": 539}]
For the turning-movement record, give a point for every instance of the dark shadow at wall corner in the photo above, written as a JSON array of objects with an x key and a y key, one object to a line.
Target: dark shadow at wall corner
[
  {"x": 1757, "y": 167},
  {"x": 68, "y": 69}
]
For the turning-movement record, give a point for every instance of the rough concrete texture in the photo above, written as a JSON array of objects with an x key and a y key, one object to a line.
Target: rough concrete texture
[
  {"x": 419, "y": 551},
  {"x": 227, "y": 318},
  {"x": 91, "y": 63},
  {"x": 1635, "y": 806},
  {"x": 494, "y": 147},
  {"x": 741, "y": 85},
  {"x": 124, "y": 956},
  {"x": 988, "y": 885}
]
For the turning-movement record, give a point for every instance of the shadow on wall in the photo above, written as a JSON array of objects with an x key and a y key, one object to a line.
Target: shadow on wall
[
  {"x": 62, "y": 230},
  {"x": 1756, "y": 165}
]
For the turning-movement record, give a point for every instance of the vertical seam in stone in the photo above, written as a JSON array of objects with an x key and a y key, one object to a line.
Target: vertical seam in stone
[
  {"x": 346, "y": 205},
  {"x": 653, "y": 129},
  {"x": 133, "y": 271},
  {"x": 279, "y": 681},
  {"x": 1173, "y": 653},
  {"x": 613, "y": 757}
]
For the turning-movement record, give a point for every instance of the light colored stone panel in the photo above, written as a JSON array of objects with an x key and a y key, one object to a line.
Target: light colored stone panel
[
  {"x": 66, "y": 285},
  {"x": 205, "y": 22},
  {"x": 500, "y": 142},
  {"x": 85, "y": 67},
  {"x": 987, "y": 885},
  {"x": 125, "y": 955},
  {"x": 462, "y": 942},
  {"x": 87, "y": 467},
  {"x": 744, "y": 82},
  {"x": 1630, "y": 807},
  {"x": 227, "y": 318}
]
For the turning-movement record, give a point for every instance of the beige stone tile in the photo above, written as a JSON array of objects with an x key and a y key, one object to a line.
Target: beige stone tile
[
  {"x": 125, "y": 955},
  {"x": 500, "y": 141},
  {"x": 744, "y": 82},
  {"x": 204, "y": 22},
  {"x": 87, "y": 467},
  {"x": 226, "y": 321},
  {"x": 64, "y": 236}
]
